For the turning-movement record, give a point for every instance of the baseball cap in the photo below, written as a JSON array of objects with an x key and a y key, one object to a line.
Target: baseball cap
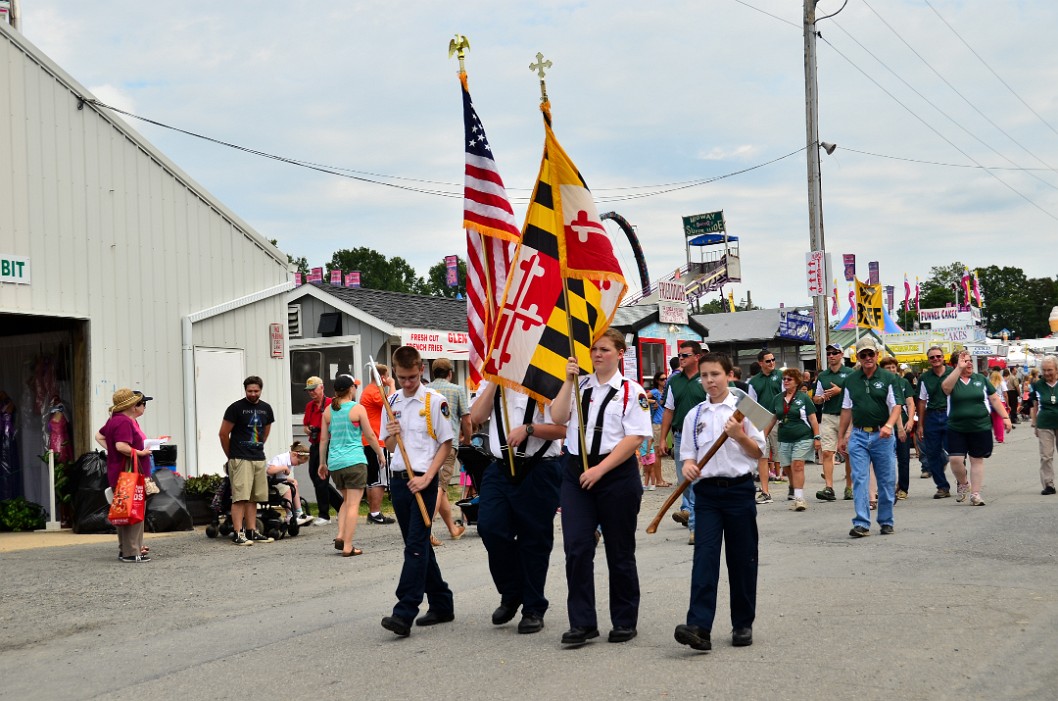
[
  {"x": 867, "y": 343},
  {"x": 313, "y": 382},
  {"x": 343, "y": 382},
  {"x": 834, "y": 346}
]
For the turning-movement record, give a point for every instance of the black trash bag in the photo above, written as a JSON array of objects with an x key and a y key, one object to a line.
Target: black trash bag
[
  {"x": 167, "y": 510},
  {"x": 90, "y": 505}
]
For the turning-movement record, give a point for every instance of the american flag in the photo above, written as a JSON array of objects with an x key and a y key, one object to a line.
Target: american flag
[{"x": 492, "y": 235}]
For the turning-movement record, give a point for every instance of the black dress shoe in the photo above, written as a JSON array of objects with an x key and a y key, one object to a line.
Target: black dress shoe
[
  {"x": 1049, "y": 489},
  {"x": 741, "y": 637},
  {"x": 432, "y": 618},
  {"x": 693, "y": 636},
  {"x": 530, "y": 623},
  {"x": 396, "y": 625},
  {"x": 579, "y": 636},
  {"x": 504, "y": 613},
  {"x": 621, "y": 634}
]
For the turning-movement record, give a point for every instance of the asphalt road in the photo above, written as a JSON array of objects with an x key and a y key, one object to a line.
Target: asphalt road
[{"x": 960, "y": 603}]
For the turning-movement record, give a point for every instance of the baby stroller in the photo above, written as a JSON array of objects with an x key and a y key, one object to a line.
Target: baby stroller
[
  {"x": 475, "y": 458},
  {"x": 270, "y": 518}
]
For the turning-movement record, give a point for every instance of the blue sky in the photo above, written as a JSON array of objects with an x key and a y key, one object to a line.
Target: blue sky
[{"x": 642, "y": 94}]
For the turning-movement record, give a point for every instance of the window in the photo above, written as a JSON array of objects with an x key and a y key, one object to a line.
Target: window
[{"x": 294, "y": 321}]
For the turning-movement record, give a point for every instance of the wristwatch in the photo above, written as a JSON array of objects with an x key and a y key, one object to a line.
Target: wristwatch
[{"x": 528, "y": 429}]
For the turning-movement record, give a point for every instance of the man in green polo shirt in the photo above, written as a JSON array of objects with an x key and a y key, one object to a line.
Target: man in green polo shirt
[
  {"x": 764, "y": 387},
  {"x": 1044, "y": 417},
  {"x": 830, "y": 386},
  {"x": 682, "y": 393},
  {"x": 871, "y": 405},
  {"x": 932, "y": 429}
]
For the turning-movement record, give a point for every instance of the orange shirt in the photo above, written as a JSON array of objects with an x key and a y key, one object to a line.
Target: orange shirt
[{"x": 371, "y": 400}]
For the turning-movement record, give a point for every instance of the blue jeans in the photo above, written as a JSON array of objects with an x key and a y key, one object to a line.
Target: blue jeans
[
  {"x": 867, "y": 449},
  {"x": 516, "y": 525},
  {"x": 420, "y": 575},
  {"x": 935, "y": 446},
  {"x": 727, "y": 514},
  {"x": 687, "y": 501}
]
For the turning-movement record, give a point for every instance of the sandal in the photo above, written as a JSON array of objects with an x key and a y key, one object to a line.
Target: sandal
[
  {"x": 664, "y": 484},
  {"x": 435, "y": 542},
  {"x": 351, "y": 553},
  {"x": 874, "y": 504},
  {"x": 339, "y": 544}
]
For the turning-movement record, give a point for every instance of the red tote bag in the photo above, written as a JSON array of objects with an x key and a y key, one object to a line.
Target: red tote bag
[{"x": 130, "y": 497}]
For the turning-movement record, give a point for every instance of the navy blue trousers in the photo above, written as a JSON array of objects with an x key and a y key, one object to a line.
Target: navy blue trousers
[
  {"x": 613, "y": 504},
  {"x": 516, "y": 522},
  {"x": 420, "y": 575},
  {"x": 726, "y": 514}
]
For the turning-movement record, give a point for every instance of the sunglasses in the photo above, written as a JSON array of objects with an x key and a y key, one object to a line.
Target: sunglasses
[
  {"x": 833, "y": 352},
  {"x": 865, "y": 354},
  {"x": 935, "y": 357},
  {"x": 685, "y": 355},
  {"x": 787, "y": 379},
  {"x": 768, "y": 360}
]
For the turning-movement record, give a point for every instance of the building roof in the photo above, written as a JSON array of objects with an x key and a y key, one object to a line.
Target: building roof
[
  {"x": 637, "y": 316},
  {"x": 742, "y": 327},
  {"x": 400, "y": 309}
]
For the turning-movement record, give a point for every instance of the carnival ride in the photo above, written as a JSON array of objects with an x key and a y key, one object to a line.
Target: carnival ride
[{"x": 716, "y": 264}]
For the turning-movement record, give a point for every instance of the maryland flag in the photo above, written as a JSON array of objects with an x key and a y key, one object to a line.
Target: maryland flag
[
  {"x": 562, "y": 288},
  {"x": 869, "y": 314}
]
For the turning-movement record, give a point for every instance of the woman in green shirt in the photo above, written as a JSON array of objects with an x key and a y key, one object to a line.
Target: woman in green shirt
[
  {"x": 798, "y": 429},
  {"x": 970, "y": 425},
  {"x": 1044, "y": 418}
]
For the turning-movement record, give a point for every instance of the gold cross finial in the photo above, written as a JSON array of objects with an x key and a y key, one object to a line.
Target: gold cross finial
[
  {"x": 539, "y": 68},
  {"x": 458, "y": 47}
]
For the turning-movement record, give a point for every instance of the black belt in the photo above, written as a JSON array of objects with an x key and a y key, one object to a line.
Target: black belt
[
  {"x": 403, "y": 475},
  {"x": 929, "y": 410},
  {"x": 726, "y": 481}
]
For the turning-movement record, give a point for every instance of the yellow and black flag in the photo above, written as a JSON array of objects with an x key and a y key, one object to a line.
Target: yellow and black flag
[{"x": 565, "y": 254}]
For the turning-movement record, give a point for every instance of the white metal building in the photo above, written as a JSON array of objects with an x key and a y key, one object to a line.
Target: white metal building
[{"x": 120, "y": 270}]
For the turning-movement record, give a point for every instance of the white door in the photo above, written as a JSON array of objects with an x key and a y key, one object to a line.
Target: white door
[{"x": 219, "y": 373}]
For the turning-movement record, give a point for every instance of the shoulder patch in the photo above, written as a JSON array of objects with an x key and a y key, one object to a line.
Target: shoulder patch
[
  {"x": 444, "y": 410},
  {"x": 643, "y": 402}
]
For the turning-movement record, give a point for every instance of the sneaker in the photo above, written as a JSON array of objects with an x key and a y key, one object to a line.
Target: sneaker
[
  {"x": 789, "y": 494},
  {"x": 976, "y": 500},
  {"x": 963, "y": 490},
  {"x": 681, "y": 517},
  {"x": 136, "y": 558},
  {"x": 859, "y": 532},
  {"x": 764, "y": 498},
  {"x": 925, "y": 475},
  {"x": 260, "y": 538},
  {"x": 848, "y": 493},
  {"x": 690, "y": 541},
  {"x": 826, "y": 494},
  {"x": 901, "y": 494},
  {"x": 302, "y": 519},
  {"x": 887, "y": 529},
  {"x": 650, "y": 487},
  {"x": 942, "y": 494},
  {"x": 380, "y": 518},
  {"x": 240, "y": 539},
  {"x": 320, "y": 521},
  {"x": 798, "y": 505}
]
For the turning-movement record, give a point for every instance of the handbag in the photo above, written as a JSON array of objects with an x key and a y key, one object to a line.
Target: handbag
[
  {"x": 130, "y": 497},
  {"x": 150, "y": 487}
]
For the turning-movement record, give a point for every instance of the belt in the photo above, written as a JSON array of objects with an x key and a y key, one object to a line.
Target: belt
[
  {"x": 933, "y": 410},
  {"x": 869, "y": 429},
  {"x": 726, "y": 481},
  {"x": 403, "y": 475}
]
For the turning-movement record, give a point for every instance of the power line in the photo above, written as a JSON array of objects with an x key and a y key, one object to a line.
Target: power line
[
  {"x": 939, "y": 163},
  {"x": 956, "y": 90},
  {"x": 935, "y": 131},
  {"x": 985, "y": 63},
  {"x": 933, "y": 104}
]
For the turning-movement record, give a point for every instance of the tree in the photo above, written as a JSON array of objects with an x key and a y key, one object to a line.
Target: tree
[
  {"x": 436, "y": 282},
  {"x": 301, "y": 264},
  {"x": 376, "y": 271},
  {"x": 1005, "y": 306},
  {"x": 936, "y": 290}
]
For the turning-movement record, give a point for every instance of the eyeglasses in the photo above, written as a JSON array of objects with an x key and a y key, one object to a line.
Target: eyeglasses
[
  {"x": 833, "y": 352},
  {"x": 141, "y": 404},
  {"x": 685, "y": 355},
  {"x": 935, "y": 357},
  {"x": 866, "y": 353}
]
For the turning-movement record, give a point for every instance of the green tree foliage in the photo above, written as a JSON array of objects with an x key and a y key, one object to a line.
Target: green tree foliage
[
  {"x": 376, "y": 271},
  {"x": 300, "y": 264},
  {"x": 436, "y": 282},
  {"x": 1015, "y": 302},
  {"x": 936, "y": 291}
]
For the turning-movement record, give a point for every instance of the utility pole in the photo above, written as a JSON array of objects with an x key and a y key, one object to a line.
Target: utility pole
[
  {"x": 16, "y": 15},
  {"x": 815, "y": 191}
]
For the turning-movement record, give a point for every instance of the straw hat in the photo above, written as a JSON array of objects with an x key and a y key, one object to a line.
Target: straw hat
[{"x": 124, "y": 399}]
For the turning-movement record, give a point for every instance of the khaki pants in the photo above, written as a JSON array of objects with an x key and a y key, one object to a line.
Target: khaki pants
[
  {"x": 1048, "y": 437},
  {"x": 130, "y": 539}
]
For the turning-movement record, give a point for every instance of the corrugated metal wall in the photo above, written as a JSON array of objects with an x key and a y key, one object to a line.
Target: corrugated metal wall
[{"x": 118, "y": 235}]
